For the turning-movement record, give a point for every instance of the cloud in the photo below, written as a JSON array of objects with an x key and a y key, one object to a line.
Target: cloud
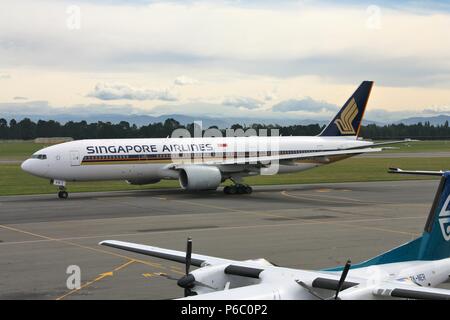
[
  {"x": 302, "y": 38},
  {"x": 306, "y": 105},
  {"x": 437, "y": 110},
  {"x": 184, "y": 80},
  {"x": 109, "y": 91},
  {"x": 270, "y": 96},
  {"x": 4, "y": 76},
  {"x": 20, "y": 98},
  {"x": 32, "y": 108},
  {"x": 242, "y": 102}
]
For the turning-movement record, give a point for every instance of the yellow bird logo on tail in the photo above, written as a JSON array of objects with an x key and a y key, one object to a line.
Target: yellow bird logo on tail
[{"x": 344, "y": 123}]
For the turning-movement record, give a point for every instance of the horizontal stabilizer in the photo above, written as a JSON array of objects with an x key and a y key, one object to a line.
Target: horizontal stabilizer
[{"x": 418, "y": 172}]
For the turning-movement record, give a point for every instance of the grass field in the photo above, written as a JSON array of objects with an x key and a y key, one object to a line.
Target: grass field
[
  {"x": 18, "y": 150},
  {"x": 14, "y": 181}
]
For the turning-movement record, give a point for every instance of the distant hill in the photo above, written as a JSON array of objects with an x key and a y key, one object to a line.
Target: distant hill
[{"x": 436, "y": 120}]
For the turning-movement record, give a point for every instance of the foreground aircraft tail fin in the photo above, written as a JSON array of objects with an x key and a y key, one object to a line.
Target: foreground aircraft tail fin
[
  {"x": 348, "y": 120},
  {"x": 434, "y": 244}
]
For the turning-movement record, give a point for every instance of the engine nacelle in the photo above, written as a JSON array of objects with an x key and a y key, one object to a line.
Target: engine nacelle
[
  {"x": 200, "y": 178},
  {"x": 142, "y": 181}
]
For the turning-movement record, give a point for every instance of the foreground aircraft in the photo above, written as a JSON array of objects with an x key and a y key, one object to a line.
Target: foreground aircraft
[
  {"x": 406, "y": 272},
  {"x": 203, "y": 163}
]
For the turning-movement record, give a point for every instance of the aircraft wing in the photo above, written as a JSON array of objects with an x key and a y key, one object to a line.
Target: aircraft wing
[
  {"x": 408, "y": 291},
  {"x": 296, "y": 156},
  {"x": 197, "y": 260}
]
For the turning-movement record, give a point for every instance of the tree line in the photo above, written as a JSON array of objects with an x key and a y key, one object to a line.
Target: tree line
[{"x": 27, "y": 129}]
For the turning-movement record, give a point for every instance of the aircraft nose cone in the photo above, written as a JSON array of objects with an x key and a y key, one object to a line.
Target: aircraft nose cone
[{"x": 26, "y": 166}]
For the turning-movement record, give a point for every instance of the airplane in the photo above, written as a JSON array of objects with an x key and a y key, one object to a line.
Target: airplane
[
  {"x": 204, "y": 163},
  {"x": 410, "y": 271}
]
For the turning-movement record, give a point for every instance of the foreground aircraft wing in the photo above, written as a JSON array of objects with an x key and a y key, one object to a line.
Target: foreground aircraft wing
[{"x": 197, "y": 260}]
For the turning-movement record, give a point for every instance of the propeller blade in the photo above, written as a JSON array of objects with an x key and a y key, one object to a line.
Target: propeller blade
[
  {"x": 310, "y": 290},
  {"x": 342, "y": 279},
  {"x": 188, "y": 255},
  {"x": 188, "y": 279}
]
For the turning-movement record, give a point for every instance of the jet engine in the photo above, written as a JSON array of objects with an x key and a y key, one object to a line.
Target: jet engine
[{"x": 200, "y": 178}]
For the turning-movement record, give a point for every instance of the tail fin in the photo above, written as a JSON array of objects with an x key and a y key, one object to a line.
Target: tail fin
[
  {"x": 348, "y": 120},
  {"x": 436, "y": 236},
  {"x": 434, "y": 244}
]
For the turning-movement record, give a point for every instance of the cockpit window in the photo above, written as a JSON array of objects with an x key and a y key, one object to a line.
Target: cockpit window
[{"x": 39, "y": 156}]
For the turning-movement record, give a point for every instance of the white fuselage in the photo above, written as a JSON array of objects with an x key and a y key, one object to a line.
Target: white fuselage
[
  {"x": 150, "y": 160},
  {"x": 280, "y": 283}
]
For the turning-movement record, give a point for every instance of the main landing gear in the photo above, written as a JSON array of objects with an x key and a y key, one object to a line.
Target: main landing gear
[{"x": 238, "y": 189}]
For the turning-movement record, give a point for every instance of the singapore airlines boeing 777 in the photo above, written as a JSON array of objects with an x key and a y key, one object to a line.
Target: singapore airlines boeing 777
[{"x": 203, "y": 163}]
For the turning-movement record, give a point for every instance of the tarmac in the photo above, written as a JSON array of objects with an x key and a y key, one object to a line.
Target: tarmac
[{"x": 299, "y": 226}]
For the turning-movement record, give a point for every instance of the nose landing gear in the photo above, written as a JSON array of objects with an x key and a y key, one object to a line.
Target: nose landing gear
[{"x": 62, "y": 194}]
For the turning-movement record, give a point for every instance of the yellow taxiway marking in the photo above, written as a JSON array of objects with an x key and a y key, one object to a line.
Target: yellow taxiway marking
[
  {"x": 347, "y": 222},
  {"x": 323, "y": 190},
  {"x": 26, "y": 232},
  {"x": 82, "y": 246},
  {"x": 151, "y": 264},
  {"x": 124, "y": 265},
  {"x": 100, "y": 277},
  {"x": 176, "y": 269},
  {"x": 149, "y": 275}
]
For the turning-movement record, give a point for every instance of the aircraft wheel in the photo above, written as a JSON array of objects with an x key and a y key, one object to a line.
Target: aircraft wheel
[
  {"x": 248, "y": 189},
  {"x": 232, "y": 190},
  {"x": 63, "y": 194},
  {"x": 226, "y": 190},
  {"x": 241, "y": 189}
]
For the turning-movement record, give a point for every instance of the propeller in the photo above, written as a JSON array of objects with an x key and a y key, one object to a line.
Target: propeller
[
  {"x": 188, "y": 280},
  {"x": 188, "y": 254},
  {"x": 347, "y": 266},
  {"x": 341, "y": 282}
]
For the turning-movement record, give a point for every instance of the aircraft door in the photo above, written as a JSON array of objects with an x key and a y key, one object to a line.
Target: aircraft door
[{"x": 75, "y": 159}]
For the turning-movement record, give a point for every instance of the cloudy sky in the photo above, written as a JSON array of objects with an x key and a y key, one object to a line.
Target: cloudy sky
[{"x": 273, "y": 59}]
